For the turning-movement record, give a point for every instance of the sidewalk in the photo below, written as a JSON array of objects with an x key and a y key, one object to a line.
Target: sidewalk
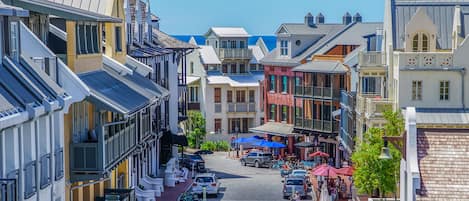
[{"x": 172, "y": 194}]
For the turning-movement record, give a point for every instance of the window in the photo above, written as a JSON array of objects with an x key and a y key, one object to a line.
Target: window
[
  {"x": 420, "y": 43},
  {"x": 444, "y": 90},
  {"x": 193, "y": 94},
  {"x": 217, "y": 95},
  {"x": 191, "y": 70},
  {"x": 251, "y": 96},
  {"x": 225, "y": 68},
  {"x": 80, "y": 121},
  {"x": 229, "y": 96},
  {"x": 241, "y": 44},
  {"x": 242, "y": 68},
  {"x": 284, "y": 113},
  {"x": 129, "y": 33},
  {"x": 240, "y": 96},
  {"x": 59, "y": 167},
  {"x": 272, "y": 112},
  {"x": 223, "y": 44},
  {"x": 218, "y": 125},
  {"x": 285, "y": 84},
  {"x": 327, "y": 80},
  {"x": 272, "y": 83},
  {"x": 118, "y": 39},
  {"x": 233, "y": 44},
  {"x": 416, "y": 90},
  {"x": 261, "y": 67},
  {"x": 253, "y": 67},
  {"x": 342, "y": 81},
  {"x": 283, "y": 47},
  {"x": 14, "y": 52},
  {"x": 29, "y": 179},
  {"x": 45, "y": 178},
  {"x": 233, "y": 68},
  {"x": 87, "y": 39},
  {"x": 216, "y": 44}
]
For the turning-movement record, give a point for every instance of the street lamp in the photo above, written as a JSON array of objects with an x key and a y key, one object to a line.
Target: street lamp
[
  {"x": 385, "y": 155},
  {"x": 237, "y": 143},
  {"x": 400, "y": 143}
]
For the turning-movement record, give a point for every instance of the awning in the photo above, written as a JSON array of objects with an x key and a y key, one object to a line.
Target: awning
[
  {"x": 137, "y": 66},
  {"x": 170, "y": 138},
  {"x": 322, "y": 67},
  {"x": 192, "y": 79},
  {"x": 274, "y": 128},
  {"x": 64, "y": 11}
]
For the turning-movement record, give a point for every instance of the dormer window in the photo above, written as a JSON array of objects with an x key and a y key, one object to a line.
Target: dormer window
[
  {"x": 420, "y": 43},
  {"x": 284, "y": 48}
]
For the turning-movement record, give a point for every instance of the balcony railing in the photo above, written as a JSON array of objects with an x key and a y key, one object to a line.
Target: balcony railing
[
  {"x": 8, "y": 190},
  {"x": 346, "y": 138},
  {"x": 96, "y": 157},
  {"x": 317, "y": 125},
  {"x": 193, "y": 106},
  {"x": 376, "y": 107},
  {"x": 235, "y": 53},
  {"x": 371, "y": 59},
  {"x": 424, "y": 59},
  {"x": 241, "y": 107},
  {"x": 319, "y": 92}
]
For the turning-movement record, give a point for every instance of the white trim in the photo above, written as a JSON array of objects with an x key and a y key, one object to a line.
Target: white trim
[{"x": 58, "y": 32}]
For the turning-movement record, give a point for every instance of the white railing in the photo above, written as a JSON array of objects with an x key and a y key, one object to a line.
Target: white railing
[
  {"x": 424, "y": 59},
  {"x": 368, "y": 59},
  {"x": 375, "y": 107},
  {"x": 235, "y": 53},
  {"x": 241, "y": 107}
]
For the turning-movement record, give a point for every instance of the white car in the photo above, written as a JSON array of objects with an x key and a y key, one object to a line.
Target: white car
[{"x": 208, "y": 181}]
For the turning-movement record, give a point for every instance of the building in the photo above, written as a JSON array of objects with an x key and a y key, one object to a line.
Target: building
[
  {"x": 298, "y": 44},
  {"x": 36, "y": 90},
  {"x": 225, "y": 76}
]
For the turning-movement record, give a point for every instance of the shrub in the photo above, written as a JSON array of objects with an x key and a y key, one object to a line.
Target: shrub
[
  {"x": 208, "y": 145},
  {"x": 215, "y": 146}
]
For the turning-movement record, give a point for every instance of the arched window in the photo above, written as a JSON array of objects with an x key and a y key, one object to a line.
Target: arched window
[{"x": 420, "y": 43}]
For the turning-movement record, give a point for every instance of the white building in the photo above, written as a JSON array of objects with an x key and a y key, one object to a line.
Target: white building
[
  {"x": 225, "y": 79},
  {"x": 36, "y": 90}
]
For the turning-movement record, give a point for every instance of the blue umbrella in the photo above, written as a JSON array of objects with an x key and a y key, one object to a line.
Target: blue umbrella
[
  {"x": 268, "y": 144},
  {"x": 246, "y": 140}
]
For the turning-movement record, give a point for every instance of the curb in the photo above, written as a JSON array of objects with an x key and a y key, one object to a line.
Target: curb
[{"x": 185, "y": 191}]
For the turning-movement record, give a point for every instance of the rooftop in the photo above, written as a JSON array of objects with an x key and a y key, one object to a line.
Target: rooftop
[
  {"x": 322, "y": 67},
  {"x": 228, "y": 32},
  {"x": 208, "y": 55}
]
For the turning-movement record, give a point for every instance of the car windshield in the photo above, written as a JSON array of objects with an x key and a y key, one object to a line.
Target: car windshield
[
  {"x": 265, "y": 154},
  {"x": 295, "y": 182},
  {"x": 195, "y": 157},
  {"x": 299, "y": 172},
  {"x": 204, "y": 180}
]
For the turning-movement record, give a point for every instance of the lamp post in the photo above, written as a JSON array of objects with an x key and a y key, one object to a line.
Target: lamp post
[
  {"x": 400, "y": 143},
  {"x": 237, "y": 143}
]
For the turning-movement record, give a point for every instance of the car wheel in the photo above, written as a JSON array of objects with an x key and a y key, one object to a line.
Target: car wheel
[
  {"x": 243, "y": 163},
  {"x": 256, "y": 164}
]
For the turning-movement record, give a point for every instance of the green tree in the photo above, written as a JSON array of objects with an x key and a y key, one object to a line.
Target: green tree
[
  {"x": 374, "y": 173},
  {"x": 196, "y": 129}
]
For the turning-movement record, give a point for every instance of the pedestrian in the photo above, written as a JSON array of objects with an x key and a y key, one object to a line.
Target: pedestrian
[
  {"x": 296, "y": 196},
  {"x": 333, "y": 193}
]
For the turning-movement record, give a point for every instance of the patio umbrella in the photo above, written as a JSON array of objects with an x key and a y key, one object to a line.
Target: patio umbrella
[
  {"x": 268, "y": 144},
  {"x": 347, "y": 171},
  {"x": 326, "y": 171},
  {"x": 305, "y": 144},
  {"x": 246, "y": 140},
  {"x": 319, "y": 153}
]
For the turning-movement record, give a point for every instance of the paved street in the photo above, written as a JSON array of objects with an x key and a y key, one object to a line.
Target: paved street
[{"x": 244, "y": 183}]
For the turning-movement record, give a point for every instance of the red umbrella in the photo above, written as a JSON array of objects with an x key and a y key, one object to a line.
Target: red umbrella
[
  {"x": 327, "y": 171},
  {"x": 347, "y": 171},
  {"x": 319, "y": 153}
]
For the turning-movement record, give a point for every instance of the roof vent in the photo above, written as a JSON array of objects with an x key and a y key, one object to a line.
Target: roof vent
[
  {"x": 309, "y": 20},
  {"x": 320, "y": 18},
  {"x": 357, "y": 18},
  {"x": 347, "y": 18}
]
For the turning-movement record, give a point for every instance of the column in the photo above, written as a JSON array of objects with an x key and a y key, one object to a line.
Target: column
[{"x": 291, "y": 142}]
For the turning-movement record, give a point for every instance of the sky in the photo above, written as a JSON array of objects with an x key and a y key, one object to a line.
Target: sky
[{"x": 258, "y": 17}]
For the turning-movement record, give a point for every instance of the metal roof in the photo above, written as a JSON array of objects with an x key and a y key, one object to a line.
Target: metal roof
[
  {"x": 257, "y": 54},
  {"x": 250, "y": 80},
  {"x": 228, "y": 32},
  {"x": 7, "y": 10},
  {"x": 322, "y": 67},
  {"x": 208, "y": 55},
  {"x": 81, "y": 10},
  {"x": 274, "y": 128},
  {"x": 166, "y": 41},
  {"x": 441, "y": 12},
  {"x": 442, "y": 116}
]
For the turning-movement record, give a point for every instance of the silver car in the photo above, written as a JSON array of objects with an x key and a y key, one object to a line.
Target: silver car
[
  {"x": 294, "y": 184},
  {"x": 258, "y": 159}
]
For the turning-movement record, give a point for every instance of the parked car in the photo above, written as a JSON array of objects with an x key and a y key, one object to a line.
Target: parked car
[
  {"x": 301, "y": 173},
  {"x": 203, "y": 152},
  {"x": 293, "y": 184},
  {"x": 258, "y": 159},
  {"x": 193, "y": 161},
  {"x": 208, "y": 181}
]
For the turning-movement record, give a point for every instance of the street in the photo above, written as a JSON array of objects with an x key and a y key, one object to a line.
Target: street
[{"x": 243, "y": 183}]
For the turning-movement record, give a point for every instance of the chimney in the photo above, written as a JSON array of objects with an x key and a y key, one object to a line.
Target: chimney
[
  {"x": 357, "y": 17},
  {"x": 347, "y": 19},
  {"x": 320, "y": 18},
  {"x": 309, "y": 20}
]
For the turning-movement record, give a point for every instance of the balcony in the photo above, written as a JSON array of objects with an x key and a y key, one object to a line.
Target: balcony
[
  {"x": 371, "y": 60},
  {"x": 193, "y": 106},
  {"x": 347, "y": 139},
  {"x": 424, "y": 60},
  {"x": 317, "y": 92},
  {"x": 89, "y": 160},
  {"x": 347, "y": 100},
  {"x": 235, "y": 53},
  {"x": 8, "y": 189},
  {"x": 375, "y": 107},
  {"x": 218, "y": 107},
  {"x": 241, "y": 107},
  {"x": 317, "y": 125}
]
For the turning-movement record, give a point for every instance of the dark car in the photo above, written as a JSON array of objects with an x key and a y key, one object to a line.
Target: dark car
[
  {"x": 193, "y": 161},
  {"x": 203, "y": 152}
]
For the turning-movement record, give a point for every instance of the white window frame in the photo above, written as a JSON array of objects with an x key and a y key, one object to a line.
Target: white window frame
[
  {"x": 444, "y": 90},
  {"x": 417, "y": 90},
  {"x": 283, "y": 47}
]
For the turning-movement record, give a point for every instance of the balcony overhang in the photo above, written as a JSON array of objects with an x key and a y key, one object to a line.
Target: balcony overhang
[
  {"x": 274, "y": 128},
  {"x": 64, "y": 11}
]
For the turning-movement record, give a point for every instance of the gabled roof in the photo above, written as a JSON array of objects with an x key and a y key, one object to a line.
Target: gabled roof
[
  {"x": 166, "y": 41},
  {"x": 228, "y": 32},
  {"x": 443, "y": 161},
  {"x": 208, "y": 55},
  {"x": 236, "y": 80},
  {"x": 257, "y": 54}
]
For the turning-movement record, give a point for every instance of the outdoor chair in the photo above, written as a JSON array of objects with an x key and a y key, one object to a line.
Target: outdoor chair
[
  {"x": 144, "y": 194},
  {"x": 152, "y": 186},
  {"x": 156, "y": 181}
]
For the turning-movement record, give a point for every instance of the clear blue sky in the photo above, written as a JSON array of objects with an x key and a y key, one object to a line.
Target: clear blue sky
[{"x": 184, "y": 17}]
